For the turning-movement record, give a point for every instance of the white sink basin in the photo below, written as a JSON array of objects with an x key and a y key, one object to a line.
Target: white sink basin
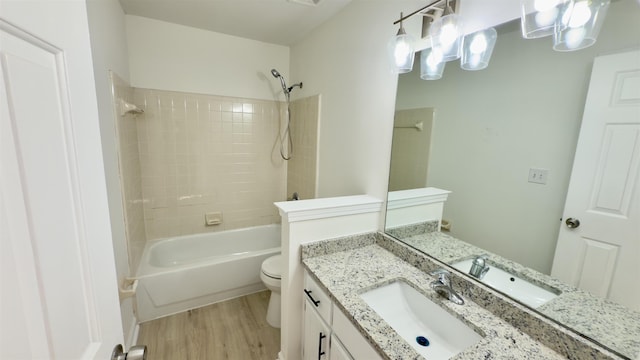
[
  {"x": 509, "y": 284},
  {"x": 413, "y": 315}
]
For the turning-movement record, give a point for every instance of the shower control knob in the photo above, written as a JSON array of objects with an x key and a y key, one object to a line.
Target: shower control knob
[{"x": 572, "y": 223}]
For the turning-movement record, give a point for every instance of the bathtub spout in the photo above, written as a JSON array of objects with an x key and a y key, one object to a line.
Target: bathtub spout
[{"x": 294, "y": 197}]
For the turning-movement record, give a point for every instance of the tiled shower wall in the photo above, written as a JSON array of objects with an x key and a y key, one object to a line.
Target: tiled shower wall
[
  {"x": 130, "y": 177},
  {"x": 202, "y": 153},
  {"x": 301, "y": 173}
]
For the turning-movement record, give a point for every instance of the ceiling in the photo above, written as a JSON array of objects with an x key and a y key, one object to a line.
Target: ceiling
[{"x": 283, "y": 22}]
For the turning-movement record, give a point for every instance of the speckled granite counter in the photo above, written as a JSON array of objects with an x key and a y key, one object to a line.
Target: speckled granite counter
[
  {"x": 615, "y": 326},
  {"x": 349, "y": 266},
  {"x": 349, "y": 273}
]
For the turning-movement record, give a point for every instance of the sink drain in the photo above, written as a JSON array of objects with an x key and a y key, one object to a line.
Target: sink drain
[{"x": 422, "y": 341}]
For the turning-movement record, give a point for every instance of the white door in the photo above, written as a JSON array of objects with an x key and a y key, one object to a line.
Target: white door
[
  {"x": 601, "y": 254},
  {"x": 58, "y": 289}
]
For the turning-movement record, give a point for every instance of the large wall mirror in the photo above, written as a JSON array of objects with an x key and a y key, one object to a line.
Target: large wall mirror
[{"x": 486, "y": 131}]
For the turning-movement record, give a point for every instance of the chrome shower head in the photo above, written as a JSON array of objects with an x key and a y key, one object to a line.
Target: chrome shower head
[{"x": 276, "y": 74}]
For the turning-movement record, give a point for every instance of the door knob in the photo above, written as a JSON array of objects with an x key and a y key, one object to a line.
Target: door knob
[
  {"x": 572, "y": 223},
  {"x": 138, "y": 352}
]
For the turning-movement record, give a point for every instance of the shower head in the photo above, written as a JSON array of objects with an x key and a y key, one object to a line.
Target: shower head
[{"x": 276, "y": 74}]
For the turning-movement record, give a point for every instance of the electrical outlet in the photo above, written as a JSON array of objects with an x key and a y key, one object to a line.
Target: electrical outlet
[{"x": 538, "y": 176}]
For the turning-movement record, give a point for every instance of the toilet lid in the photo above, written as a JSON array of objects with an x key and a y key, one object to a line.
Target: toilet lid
[{"x": 272, "y": 266}]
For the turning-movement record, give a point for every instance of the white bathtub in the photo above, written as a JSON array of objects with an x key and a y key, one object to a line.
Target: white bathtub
[{"x": 178, "y": 274}]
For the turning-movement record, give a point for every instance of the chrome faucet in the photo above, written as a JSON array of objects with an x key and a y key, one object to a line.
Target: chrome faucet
[
  {"x": 443, "y": 286},
  {"x": 479, "y": 267}
]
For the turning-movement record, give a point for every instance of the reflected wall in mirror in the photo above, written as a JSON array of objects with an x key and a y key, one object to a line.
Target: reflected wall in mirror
[
  {"x": 411, "y": 136},
  {"x": 492, "y": 126}
]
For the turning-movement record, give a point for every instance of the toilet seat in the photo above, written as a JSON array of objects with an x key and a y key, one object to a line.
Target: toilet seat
[{"x": 272, "y": 267}]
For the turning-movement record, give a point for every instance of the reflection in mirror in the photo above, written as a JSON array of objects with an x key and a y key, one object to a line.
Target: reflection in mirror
[
  {"x": 490, "y": 128},
  {"x": 411, "y": 135}
]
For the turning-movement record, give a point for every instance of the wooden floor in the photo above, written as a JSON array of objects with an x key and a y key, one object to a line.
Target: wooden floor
[{"x": 234, "y": 329}]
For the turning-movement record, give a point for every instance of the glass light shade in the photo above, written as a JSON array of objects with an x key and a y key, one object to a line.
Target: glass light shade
[
  {"x": 431, "y": 64},
  {"x": 446, "y": 33},
  {"x": 477, "y": 49},
  {"x": 401, "y": 52},
  {"x": 582, "y": 22},
  {"x": 541, "y": 17}
]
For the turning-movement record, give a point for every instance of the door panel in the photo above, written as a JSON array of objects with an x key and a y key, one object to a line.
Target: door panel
[
  {"x": 59, "y": 303},
  {"x": 601, "y": 255}
]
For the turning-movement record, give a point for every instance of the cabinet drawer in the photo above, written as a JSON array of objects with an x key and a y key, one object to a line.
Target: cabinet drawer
[
  {"x": 317, "y": 298},
  {"x": 351, "y": 338}
]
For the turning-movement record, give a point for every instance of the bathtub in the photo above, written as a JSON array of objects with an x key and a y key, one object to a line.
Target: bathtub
[{"x": 182, "y": 273}]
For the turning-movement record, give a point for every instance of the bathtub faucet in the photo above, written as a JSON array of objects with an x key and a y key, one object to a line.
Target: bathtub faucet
[{"x": 294, "y": 197}]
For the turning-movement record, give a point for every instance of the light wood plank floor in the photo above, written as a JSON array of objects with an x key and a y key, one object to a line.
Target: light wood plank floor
[{"x": 235, "y": 329}]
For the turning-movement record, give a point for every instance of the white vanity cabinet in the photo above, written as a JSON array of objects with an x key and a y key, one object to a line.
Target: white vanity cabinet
[
  {"x": 328, "y": 334},
  {"x": 316, "y": 335},
  {"x": 338, "y": 352}
]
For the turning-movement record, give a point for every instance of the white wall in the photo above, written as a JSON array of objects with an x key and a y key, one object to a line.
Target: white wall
[
  {"x": 172, "y": 57},
  {"x": 345, "y": 61},
  {"x": 491, "y": 126},
  {"x": 109, "y": 52},
  {"x": 307, "y": 221}
]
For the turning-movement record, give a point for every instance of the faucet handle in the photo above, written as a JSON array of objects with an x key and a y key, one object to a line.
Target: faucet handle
[
  {"x": 440, "y": 272},
  {"x": 443, "y": 275},
  {"x": 479, "y": 266}
]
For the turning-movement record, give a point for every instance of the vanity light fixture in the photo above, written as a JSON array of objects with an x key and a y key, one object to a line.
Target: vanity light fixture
[
  {"x": 431, "y": 64},
  {"x": 582, "y": 21},
  {"x": 477, "y": 49},
  {"x": 541, "y": 17},
  {"x": 401, "y": 51},
  {"x": 446, "y": 32},
  {"x": 574, "y": 24}
]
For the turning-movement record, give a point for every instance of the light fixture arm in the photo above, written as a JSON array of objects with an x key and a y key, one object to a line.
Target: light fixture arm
[
  {"x": 447, "y": 9},
  {"x": 401, "y": 30},
  {"x": 432, "y": 4}
]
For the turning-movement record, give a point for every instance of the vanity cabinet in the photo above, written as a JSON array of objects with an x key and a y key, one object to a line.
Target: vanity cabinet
[
  {"x": 316, "y": 335},
  {"x": 338, "y": 351},
  {"x": 328, "y": 334}
]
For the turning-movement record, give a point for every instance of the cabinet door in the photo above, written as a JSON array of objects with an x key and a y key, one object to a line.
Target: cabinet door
[
  {"x": 316, "y": 335},
  {"x": 351, "y": 338},
  {"x": 338, "y": 352}
]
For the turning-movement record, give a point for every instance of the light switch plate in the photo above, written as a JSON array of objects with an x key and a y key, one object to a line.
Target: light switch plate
[{"x": 538, "y": 176}]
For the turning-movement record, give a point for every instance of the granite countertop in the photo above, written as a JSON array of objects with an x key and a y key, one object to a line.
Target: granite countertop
[
  {"x": 612, "y": 324},
  {"x": 347, "y": 274}
]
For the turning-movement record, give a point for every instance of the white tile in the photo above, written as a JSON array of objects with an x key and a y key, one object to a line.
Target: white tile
[{"x": 208, "y": 152}]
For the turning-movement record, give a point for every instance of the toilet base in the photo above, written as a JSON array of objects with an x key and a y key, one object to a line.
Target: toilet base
[{"x": 273, "y": 311}]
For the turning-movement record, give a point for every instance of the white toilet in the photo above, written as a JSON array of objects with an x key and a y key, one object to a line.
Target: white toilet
[{"x": 270, "y": 274}]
